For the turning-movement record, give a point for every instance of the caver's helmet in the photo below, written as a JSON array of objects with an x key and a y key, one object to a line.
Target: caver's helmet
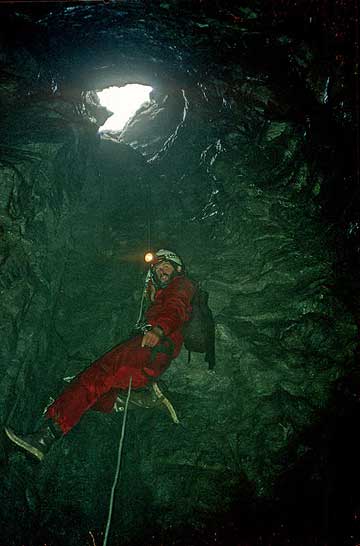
[{"x": 164, "y": 255}]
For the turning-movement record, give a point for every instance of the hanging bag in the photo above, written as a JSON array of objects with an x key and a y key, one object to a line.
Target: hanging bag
[{"x": 199, "y": 330}]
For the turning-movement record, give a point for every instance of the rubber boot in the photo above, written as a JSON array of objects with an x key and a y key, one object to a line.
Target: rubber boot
[
  {"x": 37, "y": 443},
  {"x": 141, "y": 398}
]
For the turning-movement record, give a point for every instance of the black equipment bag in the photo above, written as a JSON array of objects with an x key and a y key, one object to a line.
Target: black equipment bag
[{"x": 199, "y": 330}]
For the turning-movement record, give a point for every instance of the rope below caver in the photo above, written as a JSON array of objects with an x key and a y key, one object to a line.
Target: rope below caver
[{"x": 118, "y": 466}]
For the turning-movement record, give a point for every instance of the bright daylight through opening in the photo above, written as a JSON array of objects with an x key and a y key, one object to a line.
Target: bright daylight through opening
[{"x": 123, "y": 102}]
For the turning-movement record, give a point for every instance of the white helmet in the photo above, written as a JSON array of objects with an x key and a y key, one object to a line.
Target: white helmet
[{"x": 164, "y": 255}]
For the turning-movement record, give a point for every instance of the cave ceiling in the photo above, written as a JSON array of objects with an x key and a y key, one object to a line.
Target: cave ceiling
[{"x": 92, "y": 43}]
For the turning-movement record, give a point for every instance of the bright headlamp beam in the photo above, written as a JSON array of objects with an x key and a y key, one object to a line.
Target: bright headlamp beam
[{"x": 148, "y": 257}]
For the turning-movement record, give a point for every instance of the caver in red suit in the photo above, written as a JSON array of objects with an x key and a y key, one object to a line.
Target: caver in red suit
[
  {"x": 97, "y": 387},
  {"x": 141, "y": 358}
]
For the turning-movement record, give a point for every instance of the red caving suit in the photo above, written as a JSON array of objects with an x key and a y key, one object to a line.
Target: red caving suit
[{"x": 97, "y": 386}]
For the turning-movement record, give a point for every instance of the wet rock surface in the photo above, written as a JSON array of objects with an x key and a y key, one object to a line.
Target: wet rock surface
[{"x": 231, "y": 165}]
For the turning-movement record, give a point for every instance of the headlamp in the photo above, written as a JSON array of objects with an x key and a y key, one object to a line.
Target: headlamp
[
  {"x": 149, "y": 257},
  {"x": 163, "y": 255}
]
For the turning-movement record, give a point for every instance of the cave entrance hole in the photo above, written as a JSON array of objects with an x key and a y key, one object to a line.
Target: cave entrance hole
[{"x": 123, "y": 102}]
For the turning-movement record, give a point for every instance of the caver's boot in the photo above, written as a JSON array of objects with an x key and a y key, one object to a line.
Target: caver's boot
[
  {"x": 38, "y": 443},
  {"x": 150, "y": 397},
  {"x": 141, "y": 398}
]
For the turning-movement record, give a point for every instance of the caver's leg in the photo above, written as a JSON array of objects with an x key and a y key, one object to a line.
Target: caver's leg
[
  {"x": 98, "y": 384},
  {"x": 96, "y": 387}
]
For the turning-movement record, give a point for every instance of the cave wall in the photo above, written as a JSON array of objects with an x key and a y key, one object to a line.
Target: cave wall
[{"x": 225, "y": 156}]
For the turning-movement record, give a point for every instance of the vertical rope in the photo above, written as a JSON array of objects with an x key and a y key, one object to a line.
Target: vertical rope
[
  {"x": 357, "y": 92},
  {"x": 148, "y": 213},
  {"x": 117, "y": 473},
  {"x": 140, "y": 317}
]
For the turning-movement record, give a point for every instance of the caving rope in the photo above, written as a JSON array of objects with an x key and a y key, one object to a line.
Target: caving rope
[
  {"x": 118, "y": 465},
  {"x": 149, "y": 255},
  {"x": 159, "y": 395},
  {"x": 148, "y": 213},
  {"x": 123, "y": 428}
]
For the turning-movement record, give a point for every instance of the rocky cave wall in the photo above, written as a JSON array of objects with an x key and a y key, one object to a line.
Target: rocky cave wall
[{"x": 222, "y": 157}]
